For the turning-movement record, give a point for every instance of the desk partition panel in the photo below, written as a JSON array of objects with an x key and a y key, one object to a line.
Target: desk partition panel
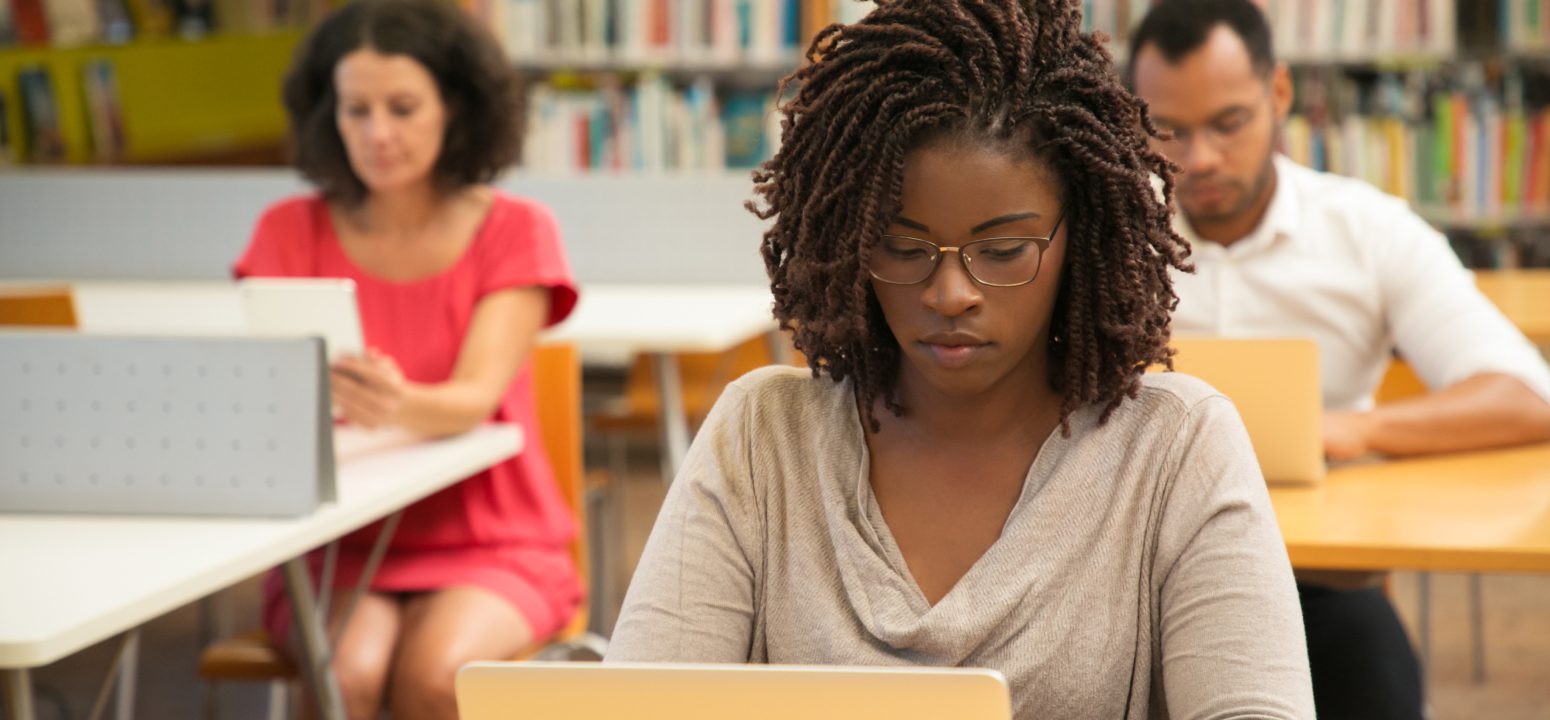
[{"x": 163, "y": 426}]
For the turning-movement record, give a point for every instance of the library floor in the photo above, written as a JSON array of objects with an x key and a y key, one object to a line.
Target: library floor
[{"x": 1517, "y": 644}]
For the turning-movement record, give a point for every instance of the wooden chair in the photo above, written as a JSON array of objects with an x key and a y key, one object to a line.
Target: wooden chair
[
  {"x": 1400, "y": 382},
  {"x": 703, "y": 376},
  {"x": 557, "y": 392}
]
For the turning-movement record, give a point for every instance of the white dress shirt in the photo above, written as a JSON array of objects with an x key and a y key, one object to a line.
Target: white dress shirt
[{"x": 1339, "y": 261}]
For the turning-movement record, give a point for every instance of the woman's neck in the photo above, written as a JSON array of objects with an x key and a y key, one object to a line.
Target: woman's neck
[
  {"x": 404, "y": 212},
  {"x": 1020, "y": 404}
]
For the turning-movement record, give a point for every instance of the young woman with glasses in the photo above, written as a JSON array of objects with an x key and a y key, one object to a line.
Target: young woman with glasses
[{"x": 976, "y": 471}]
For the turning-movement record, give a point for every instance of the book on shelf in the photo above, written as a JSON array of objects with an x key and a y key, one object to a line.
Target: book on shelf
[
  {"x": 151, "y": 18},
  {"x": 646, "y": 126},
  {"x": 651, "y": 31},
  {"x": 103, "y": 109},
  {"x": 117, "y": 28},
  {"x": 1361, "y": 30},
  {"x": 72, "y": 22},
  {"x": 7, "y": 24},
  {"x": 1462, "y": 150},
  {"x": 40, "y": 115},
  {"x": 1524, "y": 25},
  {"x": 7, "y": 143},
  {"x": 30, "y": 20},
  {"x": 194, "y": 18}
]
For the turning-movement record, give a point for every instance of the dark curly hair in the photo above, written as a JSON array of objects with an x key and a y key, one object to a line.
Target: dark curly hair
[
  {"x": 1018, "y": 73},
  {"x": 480, "y": 89}
]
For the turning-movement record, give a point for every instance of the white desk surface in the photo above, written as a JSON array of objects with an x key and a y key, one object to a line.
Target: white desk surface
[
  {"x": 69, "y": 581},
  {"x": 613, "y": 322}
]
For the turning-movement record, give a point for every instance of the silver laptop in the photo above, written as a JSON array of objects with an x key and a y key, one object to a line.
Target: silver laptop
[
  {"x": 592, "y": 691},
  {"x": 289, "y": 307},
  {"x": 1275, "y": 384}
]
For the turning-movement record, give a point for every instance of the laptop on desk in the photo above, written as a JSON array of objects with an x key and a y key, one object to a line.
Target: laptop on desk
[
  {"x": 592, "y": 691},
  {"x": 1275, "y": 384}
]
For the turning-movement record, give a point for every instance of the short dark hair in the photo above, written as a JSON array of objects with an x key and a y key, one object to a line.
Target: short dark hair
[
  {"x": 1179, "y": 27},
  {"x": 480, "y": 89},
  {"x": 1019, "y": 75}
]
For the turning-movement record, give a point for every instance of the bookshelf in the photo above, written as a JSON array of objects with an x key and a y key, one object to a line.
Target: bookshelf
[
  {"x": 176, "y": 100},
  {"x": 1442, "y": 102}
]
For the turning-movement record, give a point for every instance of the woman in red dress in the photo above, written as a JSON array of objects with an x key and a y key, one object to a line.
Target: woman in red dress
[{"x": 402, "y": 112}]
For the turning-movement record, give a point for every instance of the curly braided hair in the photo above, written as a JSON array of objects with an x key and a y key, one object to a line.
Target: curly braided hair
[{"x": 1017, "y": 73}]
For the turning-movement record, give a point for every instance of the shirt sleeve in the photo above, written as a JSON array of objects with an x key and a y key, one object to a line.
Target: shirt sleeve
[
  {"x": 528, "y": 252},
  {"x": 693, "y": 595},
  {"x": 279, "y": 244},
  {"x": 1442, "y": 324},
  {"x": 1232, "y": 643}
]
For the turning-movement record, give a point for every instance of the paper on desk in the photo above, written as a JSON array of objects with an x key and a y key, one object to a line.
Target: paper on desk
[{"x": 353, "y": 441}]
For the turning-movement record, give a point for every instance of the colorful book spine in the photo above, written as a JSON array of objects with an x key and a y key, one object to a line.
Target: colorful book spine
[
  {"x": 7, "y": 24},
  {"x": 40, "y": 114},
  {"x": 647, "y": 126},
  {"x": 100, "y": 83},
  {"x": 654, "y": 31},
  {"x": 31, "y": 21}
]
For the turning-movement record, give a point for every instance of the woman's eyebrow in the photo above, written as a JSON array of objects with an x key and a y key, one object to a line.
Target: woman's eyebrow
[{"x": 1004, "y": 219}]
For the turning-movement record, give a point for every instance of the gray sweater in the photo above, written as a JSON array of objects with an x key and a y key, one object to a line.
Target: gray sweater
[{"x": 1140, "y": 575}]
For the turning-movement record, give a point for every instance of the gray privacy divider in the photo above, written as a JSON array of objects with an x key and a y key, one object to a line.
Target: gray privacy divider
[{"x": 164, "y": 426}]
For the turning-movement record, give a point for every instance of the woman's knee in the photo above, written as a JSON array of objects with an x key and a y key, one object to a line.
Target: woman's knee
[
  {"x": 362, "y": 675},
  {"x": 423, "y": 687}
]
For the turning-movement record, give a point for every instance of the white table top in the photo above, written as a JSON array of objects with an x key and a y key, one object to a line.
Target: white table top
[
  {"x": 613, "y": 322},
  {"x": 68, "y": 581}
]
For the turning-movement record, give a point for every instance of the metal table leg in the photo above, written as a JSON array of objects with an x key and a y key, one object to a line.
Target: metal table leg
[
  {"x": 671, "y": 416},
  {"x": 315, "y": 650},
  {"x": 18, "y": 694}
]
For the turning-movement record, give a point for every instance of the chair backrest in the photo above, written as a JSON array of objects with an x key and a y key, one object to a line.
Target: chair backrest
[
  {"x": 51, "y": 306},
  {"x": 1399, "y": 382},
  {"x": 557, "y": 393},
  {"x": 1523, "y": 295},
  {"x": 704, "y": 376}
]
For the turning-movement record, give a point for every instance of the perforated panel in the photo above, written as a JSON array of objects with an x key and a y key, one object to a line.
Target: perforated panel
[{"x": 185, "y": 426}]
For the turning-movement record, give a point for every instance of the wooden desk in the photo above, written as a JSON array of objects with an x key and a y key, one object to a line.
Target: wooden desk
[
  {"x": 611, "y": 323},
  {"x": 1523, "y": 296},
  {"x": 1471, "y": 512},
  {"x": 74, "y": 580}
]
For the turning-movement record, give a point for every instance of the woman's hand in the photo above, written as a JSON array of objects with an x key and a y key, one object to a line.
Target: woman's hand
[{"x": 369, "y": 390}]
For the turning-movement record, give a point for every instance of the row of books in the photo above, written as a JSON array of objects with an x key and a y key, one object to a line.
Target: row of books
[
  {"x": 70, "y": 23},
  {"x": 1310, "y": 30},
  {"x": 41, "y": 138},
  {"x": 1524, "y": 25},
  {"x": 1516, "y": 248},
  {"x": 657, "y": 30},
  {"x": 1363, "y": 29},
  {"x": 649, "y": 125},
  {"x": 1459, "y": 149}
]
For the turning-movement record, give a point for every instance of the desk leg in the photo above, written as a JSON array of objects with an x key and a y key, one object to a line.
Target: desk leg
[
  {"x": 18, "y": 695},
  {"x": 315, "y": 652},
  {"x": 128, "y": 672},
  {"x": 674, "y": 423}
]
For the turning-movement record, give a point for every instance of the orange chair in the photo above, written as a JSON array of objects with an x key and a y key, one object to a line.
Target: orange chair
[
  {"x": 51, "y": 306},
  {"x": 1400, "y": 382},
  {"x": 703, "y": 377},
  {"x": 557, "y": 386}
]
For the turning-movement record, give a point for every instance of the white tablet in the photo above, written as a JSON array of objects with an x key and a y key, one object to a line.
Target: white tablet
[{"x": 320, "y": 307}]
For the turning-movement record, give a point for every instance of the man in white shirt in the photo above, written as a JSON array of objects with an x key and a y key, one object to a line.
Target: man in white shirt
[{"x": 1283, "y": 250}]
